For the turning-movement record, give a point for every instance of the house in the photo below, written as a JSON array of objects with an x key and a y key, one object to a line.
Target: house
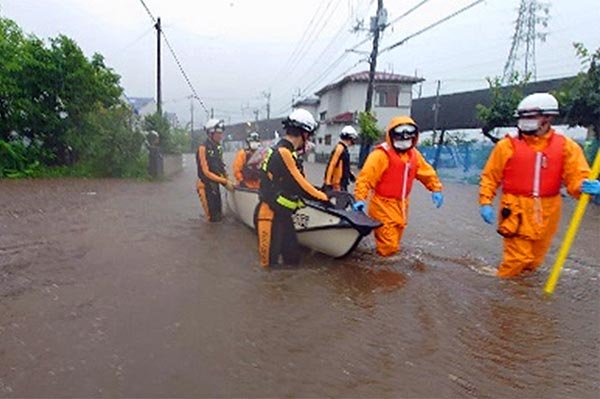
[
  {"x": 311, "y": 104},
  {"x": 142, "y": 106},
  {"x": 339, "y": 103}
]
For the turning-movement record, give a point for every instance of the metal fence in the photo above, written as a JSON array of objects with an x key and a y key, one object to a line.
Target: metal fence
[{"x": 458, "y": 162}]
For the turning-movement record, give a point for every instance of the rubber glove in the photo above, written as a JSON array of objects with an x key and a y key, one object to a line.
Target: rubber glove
[
  {"x": 438, "y": 199},
  {"x": 487, "y": 213},
  {"x": 359, "y": 206},
  {"x": 591, "y": 187}
]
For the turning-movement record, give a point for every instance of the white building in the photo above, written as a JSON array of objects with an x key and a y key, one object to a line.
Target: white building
[
  {"x": 339, "y": 103},
  {"x": 142, "y": 106}
]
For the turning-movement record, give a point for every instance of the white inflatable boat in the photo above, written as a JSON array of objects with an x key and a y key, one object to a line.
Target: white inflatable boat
[{"x": 334, "y": 232}]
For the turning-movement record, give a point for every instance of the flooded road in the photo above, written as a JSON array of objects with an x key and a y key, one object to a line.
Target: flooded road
[{"x": 118, "y": 288}]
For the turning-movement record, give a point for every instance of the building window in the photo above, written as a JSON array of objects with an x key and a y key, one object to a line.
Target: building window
[
  {"x": 323, "y": 115},
  {"x": 320, "y": 140},
  {"x": 386, "y": 96},
  {"x": 328, "y": 139}
]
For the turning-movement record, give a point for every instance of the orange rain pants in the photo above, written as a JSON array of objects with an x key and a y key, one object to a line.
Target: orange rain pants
[{"x": 534, "y": 221}]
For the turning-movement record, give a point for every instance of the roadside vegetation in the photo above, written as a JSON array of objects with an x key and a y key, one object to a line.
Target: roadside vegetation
[{"x": 64, "y": 114}]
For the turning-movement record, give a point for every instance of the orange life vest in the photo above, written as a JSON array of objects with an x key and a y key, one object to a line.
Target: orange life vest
[
  {"x": 397, "y": 180},
  {"x": 534, "y": 173}
]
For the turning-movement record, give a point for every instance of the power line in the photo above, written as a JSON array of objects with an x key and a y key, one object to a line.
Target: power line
[
  {"x": 172, "y": 51},
  {"x": 314, "y": 39},
  {"x": 407, "y": 13},
  {"x": 148, "y": 11},
  {"x": 318, "y": 60},
  {"x": 334, "y": 39},
  {"x": 299, "y": 44},
  {"x": 185, "y": 76},
  {"x": 433, "y": 25}
]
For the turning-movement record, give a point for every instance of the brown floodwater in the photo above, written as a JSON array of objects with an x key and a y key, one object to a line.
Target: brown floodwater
[{"x": 118, "y": 288}]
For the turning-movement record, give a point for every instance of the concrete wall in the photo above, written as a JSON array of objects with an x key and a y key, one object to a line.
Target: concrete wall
[
  {"x": 384, "y": 114},
  {"x": 331, "y": 102}
]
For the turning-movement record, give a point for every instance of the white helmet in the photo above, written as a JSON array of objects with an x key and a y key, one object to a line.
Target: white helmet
[
  {"x": 349, "y": 133},
  {"x": 537, "y": 104},
  {"x": 302, "y": 119},
  {"x": 214, "y": 125}
]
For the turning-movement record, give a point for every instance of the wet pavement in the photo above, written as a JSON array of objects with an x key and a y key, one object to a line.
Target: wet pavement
[{"x": 118, "y": 288}]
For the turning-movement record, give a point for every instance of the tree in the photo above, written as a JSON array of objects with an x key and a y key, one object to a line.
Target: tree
[
  {"x": 115, "y": 150},
  {"x": 504, "y": 102},
  {"x": 369, "y": 134},
  {"x": 55, "y": 102},
  {"x": 580, "y": 98}
]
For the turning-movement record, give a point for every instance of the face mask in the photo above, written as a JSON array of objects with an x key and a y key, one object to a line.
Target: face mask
[
  {"x": 528, "y": 126},
  {"x": 254, "y": 145},
  {"x": 403, "y": 145}
]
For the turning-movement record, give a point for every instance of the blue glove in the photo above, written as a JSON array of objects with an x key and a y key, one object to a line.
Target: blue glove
[
  {"x": 359, "y": 206},
  {"x": 487, "y": 213},
  {"x": 437, "y": 198},
  {"x": 591, "y": 187}
]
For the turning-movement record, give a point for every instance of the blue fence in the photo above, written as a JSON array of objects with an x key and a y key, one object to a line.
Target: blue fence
[{"x": 458, "y": 162}]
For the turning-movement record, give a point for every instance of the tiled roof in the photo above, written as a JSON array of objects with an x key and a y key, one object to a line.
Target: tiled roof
[
  {"x": 346, "y": 117},
  {"x": 310, "y": 101},
  {"x": 386, "y": 77}
]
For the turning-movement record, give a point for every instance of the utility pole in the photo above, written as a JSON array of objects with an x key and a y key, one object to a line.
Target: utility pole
[
  {"x": 158, "y": 80},
  {"x": 256, "y": 111},
  {"x": 212, "y": 113},
  {"x": 296, "y": 96},
  {"x": 267, "y": 96},
  {"x": 376, "y": 29},
  {"x": 436, "y": 111},
  {"x": 377, "y": 26},
  {"x": 192, "y": 122}
]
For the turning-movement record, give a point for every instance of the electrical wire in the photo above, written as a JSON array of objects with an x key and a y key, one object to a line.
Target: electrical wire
[
  {"x": 433, "y": 25},
  {"x": 179, "y": 65},
  {"x": 407, "y": 13},
  {"x": 299, "y": 44},
  {"x": 314, "y": 39}
]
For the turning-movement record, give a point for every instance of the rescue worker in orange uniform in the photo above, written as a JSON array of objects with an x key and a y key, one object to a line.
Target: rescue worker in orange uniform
[
  {"x": 337, "y": 173},
  {"x": 531, "y": 166},
  {"x": 282, "y": 188},
  {"x": 211, "y": 171},
  {"x": 246, "y": 166},
  {"x": 389, "y": 172}
]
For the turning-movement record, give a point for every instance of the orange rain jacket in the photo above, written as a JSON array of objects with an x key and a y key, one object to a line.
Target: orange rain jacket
[
  {"x": 528, "y": 223},
  {"x": 392, "y": 212},
  {"x": 240, "y": 168},
  {"x": 337, "y": 172}
]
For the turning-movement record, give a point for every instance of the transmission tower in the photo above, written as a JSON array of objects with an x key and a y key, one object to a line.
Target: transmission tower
[{"x": 529, "y": 27}]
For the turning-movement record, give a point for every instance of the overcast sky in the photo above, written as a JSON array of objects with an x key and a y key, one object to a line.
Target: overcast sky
[{"x": 233, "y": 50}]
